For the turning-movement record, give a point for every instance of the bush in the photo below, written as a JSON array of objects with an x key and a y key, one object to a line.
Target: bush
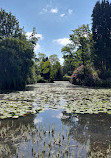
[
  {"x": 66, "y": 77},
  {"x": 106, "y": 75},
  {"x": 41, "y": 79},
  {"x": 78, "y": 75},
  {"x": 104, "y": 83},
  {"x": 85, "y": 76}
]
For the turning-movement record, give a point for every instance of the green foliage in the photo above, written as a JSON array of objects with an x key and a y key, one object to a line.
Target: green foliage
[
  {"x": 53, "y": 59},
  {"x": 41, "y": 79},
  {"x": 16, "y": 54},
  {"x": 91, "y": 50},
  {"x": 79, "y": 51},
  {"x": 32, "y": 76},
  {"x": 12, "y": 113},
  {"x": 15, "y": 62},
  {"x": 69, "y": 58},
  {"x": 105, "y": 83},
  {"x": 66, "y": 77},
  {"x": 56, "y": 71},
  {"x": 90, "y": 78},
  {"x": 45, "y": 69},
  {"x": 101, "y": 29},
  {"x": 50, "y": 69},
  {"x": 33, "y": 39},
  {"x": 81, "y": 39},
  {"x": 9, "y": 26}
]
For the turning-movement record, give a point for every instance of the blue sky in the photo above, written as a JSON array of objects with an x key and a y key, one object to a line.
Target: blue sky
[{"x": 54, "y": 19}]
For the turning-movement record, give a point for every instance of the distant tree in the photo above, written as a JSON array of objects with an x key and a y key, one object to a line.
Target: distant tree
[
  {"x": 59, "y": 72},
  {"x": 41, "y": 56},
  {"x": 68, "y": 55},
  {"x": 33, "y": 38},
  {"x": 53, "y": 59},
  {"x": 56, "y": 71},
  {"x": 101, "y": 30},
  {"x": 45, "y": 68}
]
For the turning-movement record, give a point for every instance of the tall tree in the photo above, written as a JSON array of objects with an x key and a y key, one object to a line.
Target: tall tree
[
  {"x": 45, "y": 68},
  {"x": 101, "y": 29},
  {"x": 68, "y": 55},
  {"x": 79, "y": 51},
  {"x": 56, "y": 68},
  {"x": 15, "y": 63},
  {"x": 81, "y": 38},
  {"x": 16, "y": 53},
  {"x": 9, "y": 26},
  {"x": 53, "y": 59}
]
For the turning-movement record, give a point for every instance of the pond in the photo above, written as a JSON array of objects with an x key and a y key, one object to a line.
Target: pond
[{"x": 55, "y": 126}]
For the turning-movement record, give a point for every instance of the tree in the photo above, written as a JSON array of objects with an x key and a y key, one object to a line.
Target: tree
[
  {"x": 9, "y": 26},
  {"x": 39, "y": 58},
  {"x": 16, "y": 53},
  {"x": 81, "y": 38},
  {"x": 33, "y": 38},
  {"x": 79, "y": 51},
  {"x": 56, "y": 71},
  {"x": 45, "y": 68},
  {"x": 53, "y": 59},
  {"x": 101, "y": 29},
  {"x": 15, "y": 63},
  {"x": 68, "y": 55}
]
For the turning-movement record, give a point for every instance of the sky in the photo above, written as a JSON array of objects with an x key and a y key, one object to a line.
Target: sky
[{"x": 54, "y": 20}]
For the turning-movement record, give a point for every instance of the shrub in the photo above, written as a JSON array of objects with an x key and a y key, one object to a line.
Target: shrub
[
  {"x": 77, "y": 75},
  {"x": 66, "y": 77},
  {"x": 85, "y": 75},
  {"x": 106, "y": 75},
  {"x": 41, "y": 79},
  {"x": 105, "y": 83}
]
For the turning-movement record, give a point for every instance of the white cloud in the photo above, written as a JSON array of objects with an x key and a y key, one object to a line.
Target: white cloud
[
  {"x": 38, "y": 120},
  {"x": 54, "y": 10},
  {"x": 70, "y": 11},
  {"x": 62, "y": 15},
  {"x": 40, "y": 36},
  {"x": 59, "y": 116},
  {"x": 62, "y": 41},
  {"x": 37, "y": 47},
  {"x": 61, "y": 61},
  {"x": 44, "y": 11}
]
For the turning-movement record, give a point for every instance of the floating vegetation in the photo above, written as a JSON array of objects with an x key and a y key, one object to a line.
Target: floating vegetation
[{"x": 57, "y": 95}]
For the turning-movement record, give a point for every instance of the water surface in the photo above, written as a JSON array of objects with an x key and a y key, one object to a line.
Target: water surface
[{"x": 55, "y": 132}]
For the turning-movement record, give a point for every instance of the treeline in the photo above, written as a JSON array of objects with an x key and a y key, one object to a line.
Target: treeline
[
  {"x": 46, "y": 69},
  {"x": 88, "y": 57}
]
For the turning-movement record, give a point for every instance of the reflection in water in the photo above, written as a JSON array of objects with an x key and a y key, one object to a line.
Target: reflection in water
[
  {"x": 12, "y": 133},
  {"x": 56, "y": 133},
  {"x": 92, "y": 130}
]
